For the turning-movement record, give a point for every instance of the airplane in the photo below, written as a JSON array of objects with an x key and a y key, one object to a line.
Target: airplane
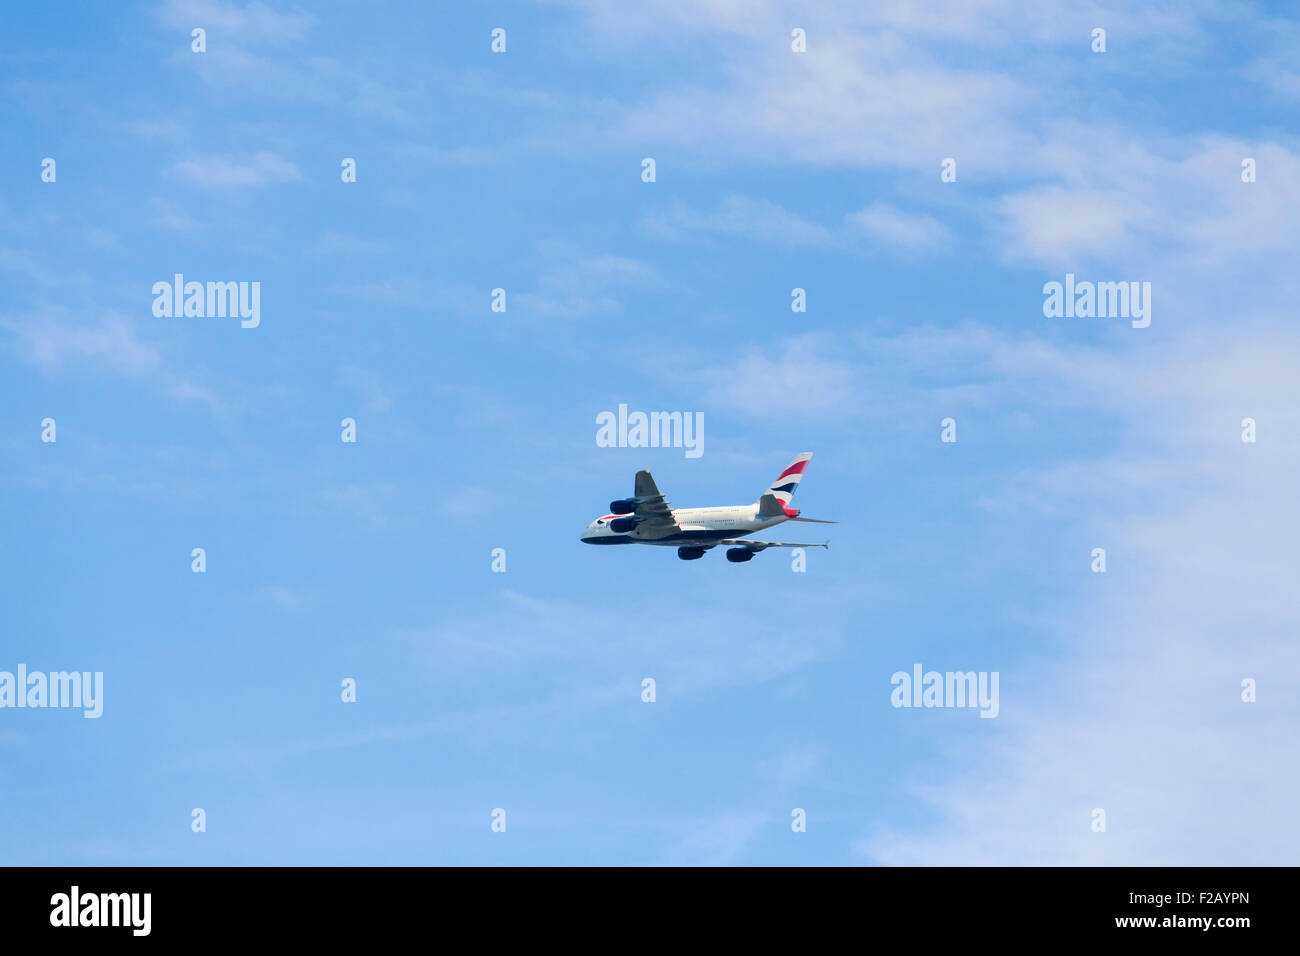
[{"x": 645, "y": 518}]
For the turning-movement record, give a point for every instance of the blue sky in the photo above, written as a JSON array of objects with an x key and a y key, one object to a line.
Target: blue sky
[{"x": 476, "y": 430}]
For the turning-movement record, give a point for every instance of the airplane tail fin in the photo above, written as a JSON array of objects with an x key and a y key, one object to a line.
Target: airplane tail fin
[{"x": 787, "y": 482}]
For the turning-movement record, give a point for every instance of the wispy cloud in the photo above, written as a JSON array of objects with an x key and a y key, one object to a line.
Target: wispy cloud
[
  {"x": 1133, "y": 705},
  {"x": 468, "y": 502},
  {"x": 399, "y": 291},
  {"x": 57, "y": 340},
  {"x": 284, "y": 598},
  {"x": 369, "y": 503},
  {"x": 717, "y": 841},
  {"x": 742, "y": 217},
  {"x": 894, "y": 227},
  {"x": 30, "y": 265},
  {"x": 454, "y": 155},
  {"x": 228, "y": 173},
  {"x": 811, "y": 376},
  {"x": 172, "y": 216},
  {"x": 237, "y": 62},
  {"x": 793, "y": 765},
  {"x": 226, "y": 22},
  {"x": 693, "y": 649},
  {"x": 586, "y": 286},
  {"x": 375, "y": 392}
]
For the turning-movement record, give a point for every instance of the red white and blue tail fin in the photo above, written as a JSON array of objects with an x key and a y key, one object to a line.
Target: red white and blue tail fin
[{"x": 784, "y": 487}]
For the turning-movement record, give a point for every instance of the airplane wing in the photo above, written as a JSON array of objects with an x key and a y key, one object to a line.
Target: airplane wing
[
  {"x": 652, "y": 508},
  {"x": 760, "y": 545}
]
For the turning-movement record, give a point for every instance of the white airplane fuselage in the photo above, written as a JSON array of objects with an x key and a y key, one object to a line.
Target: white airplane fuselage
[{"x": 700, "y": 527}]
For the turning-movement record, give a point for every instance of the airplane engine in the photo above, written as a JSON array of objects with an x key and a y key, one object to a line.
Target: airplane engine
[
  {"x": 623, "y": 506},
  {"x": 622, "y": 525},
  {"x": 737, "y": 555},
  {"x": 690, "y": 554}
]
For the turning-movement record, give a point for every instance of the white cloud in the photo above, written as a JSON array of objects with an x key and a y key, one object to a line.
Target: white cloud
[
  {"x": 172, "y": 216},
  {"x": 891, "y": 226},
  {"x": 30, "y": 265},
  {"x": 374, "y": 390},
  {"x": 454, "y": 156},
  {"x": 692, "y": 650},
  {"x": 333, "y": 243},
  {"x": 1184, "y": 198},
  {"x": 105, "y": 240},
  {"x": 55, "y": 340},
  {"x": 718, "y": 841},
  {"x": 842, "y": 107},
  {"x": 583, "y": 286},
  {"x": 1060, "y": 226},
  {"x": 370, "y": 502},
  {"x": 794, "y": 765},
  {"x": 893, "y": 87},
  {"x": 227, "y": 173},
  {"x": 743, "y": 217},
  {"x": 1133, "y": 703},
  {"x": 813, "y": 381},
  {"x": 982, "y": 24},
  {"x": 399, "y": 291},
  {"x": 227, "y": 22},
  {"x": 472, "y": 502},
  {"x": 233, "y": 66},
  {"x": 159, "y": 130},
  {"x": 287, "y": 599}
]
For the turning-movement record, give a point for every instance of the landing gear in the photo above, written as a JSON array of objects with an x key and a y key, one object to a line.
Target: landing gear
[
  {"x": 737, "y": 555},
  {"x": 690, "y": 554}
]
